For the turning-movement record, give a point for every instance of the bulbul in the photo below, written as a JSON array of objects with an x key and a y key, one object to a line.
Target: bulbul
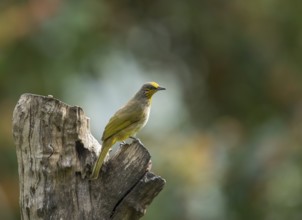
[{"x": 127, "y": 121}]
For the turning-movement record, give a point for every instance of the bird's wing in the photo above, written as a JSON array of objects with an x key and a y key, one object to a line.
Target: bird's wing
[{"x": 119, "y": 121}]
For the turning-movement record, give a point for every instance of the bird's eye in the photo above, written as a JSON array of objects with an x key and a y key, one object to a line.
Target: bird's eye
[{"x": 150, "y": 88}]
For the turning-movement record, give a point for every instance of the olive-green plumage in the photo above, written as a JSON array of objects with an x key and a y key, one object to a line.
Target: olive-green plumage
[{"x": 127, "y": 121}]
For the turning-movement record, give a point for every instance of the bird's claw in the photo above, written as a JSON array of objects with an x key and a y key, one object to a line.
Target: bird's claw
[
  {"x": 136, "y": 140},
  {"x": 122, "y": 143}
]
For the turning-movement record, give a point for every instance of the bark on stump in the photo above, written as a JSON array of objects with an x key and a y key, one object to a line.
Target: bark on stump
[{"x": 56, "y": 151}]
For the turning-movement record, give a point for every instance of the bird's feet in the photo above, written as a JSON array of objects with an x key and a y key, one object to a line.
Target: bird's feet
[
  {"x": 136, "y": 140},
  {"x": 123, "y": 143}
]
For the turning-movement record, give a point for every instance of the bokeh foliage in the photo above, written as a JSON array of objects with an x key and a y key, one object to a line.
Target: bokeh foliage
[{"x": 237, "y": 65}]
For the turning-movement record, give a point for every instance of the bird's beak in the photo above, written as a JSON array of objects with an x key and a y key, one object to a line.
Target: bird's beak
[{"x": 160, "y": 88}]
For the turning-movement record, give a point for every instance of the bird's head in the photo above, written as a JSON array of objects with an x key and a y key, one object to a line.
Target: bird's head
[{"x": 149, "y": 89}]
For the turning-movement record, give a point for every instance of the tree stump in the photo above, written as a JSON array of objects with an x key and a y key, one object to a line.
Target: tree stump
[{"x": 56, "y": 152}]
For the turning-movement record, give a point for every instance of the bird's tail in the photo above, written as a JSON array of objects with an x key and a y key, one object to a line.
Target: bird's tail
[{"x": 98, "y": 165}]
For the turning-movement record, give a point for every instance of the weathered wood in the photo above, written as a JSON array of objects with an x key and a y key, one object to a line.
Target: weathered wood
[{"x": 56, "y": 151}]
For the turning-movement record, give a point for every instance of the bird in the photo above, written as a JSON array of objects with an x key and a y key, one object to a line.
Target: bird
[{"x": 126, "y": 122}]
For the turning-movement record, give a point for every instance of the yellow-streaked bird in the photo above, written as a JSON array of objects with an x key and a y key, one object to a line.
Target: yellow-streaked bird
[{"x": 127, "y": 121}]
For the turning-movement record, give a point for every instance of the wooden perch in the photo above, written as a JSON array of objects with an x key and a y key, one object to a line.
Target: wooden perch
[{"x": 56, "y": 151}]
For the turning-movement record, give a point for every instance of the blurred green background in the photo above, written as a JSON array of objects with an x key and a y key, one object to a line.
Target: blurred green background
[{"x": 227, "y": 133}]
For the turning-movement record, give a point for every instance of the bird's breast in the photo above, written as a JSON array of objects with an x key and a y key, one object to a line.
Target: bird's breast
[{"x": 146, "y": 116}]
